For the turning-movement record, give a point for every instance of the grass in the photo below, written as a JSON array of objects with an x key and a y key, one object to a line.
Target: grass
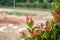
[{"x": 20, "y": 13}]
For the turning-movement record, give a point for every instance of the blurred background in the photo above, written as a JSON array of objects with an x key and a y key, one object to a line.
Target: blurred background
[{"x": 37, "y": 4}]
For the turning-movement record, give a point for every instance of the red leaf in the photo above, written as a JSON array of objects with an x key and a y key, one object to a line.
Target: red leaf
[{"x": 47, "y": 28}]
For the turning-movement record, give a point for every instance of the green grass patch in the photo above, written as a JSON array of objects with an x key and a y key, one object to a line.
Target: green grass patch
[{"x": 20, "y": 13}]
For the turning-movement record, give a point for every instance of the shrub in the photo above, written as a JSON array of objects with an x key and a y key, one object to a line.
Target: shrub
[
  {"x": 44, "y": 5},
  {"x": 32, "y": 5},
  {"x": 38, "y": 32}
]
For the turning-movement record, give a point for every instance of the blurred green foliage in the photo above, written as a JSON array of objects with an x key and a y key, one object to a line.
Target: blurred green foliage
[{"x": 27, "y": 3}]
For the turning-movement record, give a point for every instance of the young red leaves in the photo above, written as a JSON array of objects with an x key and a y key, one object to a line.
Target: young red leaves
[
  {"x": 40, "y": 26},
  {"x": 47, "y": 28},
  {"x": 29, "y": 21},
  {"x": 57, "y": 13}
]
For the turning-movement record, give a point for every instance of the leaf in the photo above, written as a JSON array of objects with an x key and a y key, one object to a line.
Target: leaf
[
  {"x": 27, "y": 38},
  {"x": 29, "y": 30},
  {"x": 30, "y": 24},
  {"x": 58, "y": 26},
  {"x": 37, "y": 37},
  {"x": 34, "y": 28}
]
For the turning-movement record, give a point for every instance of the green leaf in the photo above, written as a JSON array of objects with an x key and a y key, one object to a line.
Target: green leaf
[
  {"x": 30, "y": 24},
  {"x": 27, "y": 38},
  {"x": 34, "y": 28},
  {"x": 58, "y": 26},
  {"x": 37, "y": 37},
  {"x": 58, "y": 3},
  {"x": 28, "y": 29}
]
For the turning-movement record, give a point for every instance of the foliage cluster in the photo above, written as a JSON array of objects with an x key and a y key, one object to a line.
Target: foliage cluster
[{"x": 27, "y": 3}]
